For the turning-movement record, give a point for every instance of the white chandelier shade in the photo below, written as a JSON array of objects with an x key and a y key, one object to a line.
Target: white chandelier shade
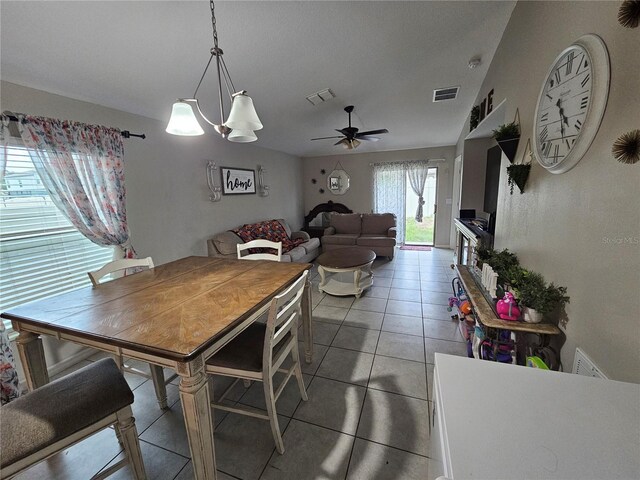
[
  {"x": 243, "y": 114},
  {"x": 183, "y": 121},
  {"x": 242, "y": 136}
]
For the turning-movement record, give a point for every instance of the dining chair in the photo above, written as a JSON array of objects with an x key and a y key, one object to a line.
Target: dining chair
[
  {"x": 59, "y": 414},
  {"x": 259, "y": 352},
  {"x": 157, "y": 373},
  {"x": 277, "y": 246}
]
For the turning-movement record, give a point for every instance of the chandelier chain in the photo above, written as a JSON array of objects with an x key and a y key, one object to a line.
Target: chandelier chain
[{"x": 213, "y": 24}]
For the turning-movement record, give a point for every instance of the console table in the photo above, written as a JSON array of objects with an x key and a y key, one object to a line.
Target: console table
[{"x": 468, "y": 237}]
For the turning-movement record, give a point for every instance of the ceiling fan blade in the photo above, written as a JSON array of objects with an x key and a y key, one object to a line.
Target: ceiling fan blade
[
  {"x": 325, "y": 138},
  {"x": 372, "y": 132},
  {"x": 368, "y": 138}
]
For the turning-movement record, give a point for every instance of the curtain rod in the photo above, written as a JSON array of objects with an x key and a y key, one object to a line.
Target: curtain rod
[{"x": 124, "y": 133}]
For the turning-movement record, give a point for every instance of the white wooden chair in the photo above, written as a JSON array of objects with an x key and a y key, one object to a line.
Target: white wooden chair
[
  {"x": 157, "y": 374},
  {"x": 260, "y": 256},
  {"x": 258, "y": 353},
  {"x": 118, "y": 266}
]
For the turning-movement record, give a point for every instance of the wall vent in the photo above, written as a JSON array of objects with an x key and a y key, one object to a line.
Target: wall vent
[
  {"x": 582, "y": 365},
  {"x": 321, "y": 96},
  {"x": 441, "y": 94}
]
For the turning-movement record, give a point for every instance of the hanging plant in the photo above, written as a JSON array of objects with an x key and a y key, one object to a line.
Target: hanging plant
[
  {"x": 475, "y": 117},
  {"x": 629, "y": 13},
  {"x": 626, "y": 148},
  {"x": 508, "y": 137},
  {"x": 518, "y": 173}
]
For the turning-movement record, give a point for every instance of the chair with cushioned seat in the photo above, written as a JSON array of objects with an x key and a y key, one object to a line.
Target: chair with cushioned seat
[
  {"x": 66, "y": 411},
  {"x": 157, "y": 374},
  {"x": 259, "y": 352}
]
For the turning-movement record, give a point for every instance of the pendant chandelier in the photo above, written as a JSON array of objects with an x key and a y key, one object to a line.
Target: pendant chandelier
[{"x": 243, "y": 119}]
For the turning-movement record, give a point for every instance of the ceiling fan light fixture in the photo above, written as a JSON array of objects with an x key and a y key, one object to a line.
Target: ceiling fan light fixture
[
  {"x": 183, "y": 121},
  {"x": 243, "y": 114},
  {"x": 242, "y": 136}
]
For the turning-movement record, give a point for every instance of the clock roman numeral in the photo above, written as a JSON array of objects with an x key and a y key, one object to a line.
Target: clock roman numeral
[
  {"x": 546, "y": 148},
  {"x": 555, "y": 153},
  {"x": 543, "y": 134},
  {"x": 544, "y": 117},
  {"x": 578, "y": 125},
  {"x": 569, "y": 63},
  {"x": 584, "y": 102},
  {"x": 568, "y": 144},
  {"x": 585, "y": 80},
  {"x": 557, "y": 76}
]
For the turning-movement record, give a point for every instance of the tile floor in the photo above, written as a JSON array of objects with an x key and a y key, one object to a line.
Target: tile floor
[{"x": 369, "y": 392}]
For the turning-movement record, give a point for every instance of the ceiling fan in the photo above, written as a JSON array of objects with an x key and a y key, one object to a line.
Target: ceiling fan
[{"x": 351, "y": 136}]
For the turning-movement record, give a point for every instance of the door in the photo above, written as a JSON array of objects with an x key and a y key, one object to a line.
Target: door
[
  {"x": 457, "y": 195},
  {"x": 421, "y": 231}
]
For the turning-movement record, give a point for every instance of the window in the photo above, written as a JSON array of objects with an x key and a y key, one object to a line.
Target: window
[{"x": 41, "y": 253}]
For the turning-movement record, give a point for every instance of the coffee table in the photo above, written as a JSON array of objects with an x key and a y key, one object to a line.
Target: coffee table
[{"x": 344, "y": 260}]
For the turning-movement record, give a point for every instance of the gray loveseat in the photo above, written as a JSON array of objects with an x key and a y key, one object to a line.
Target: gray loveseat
[
  {"x": 224, "y": 245},
  {"x": 373, "y": 231}
]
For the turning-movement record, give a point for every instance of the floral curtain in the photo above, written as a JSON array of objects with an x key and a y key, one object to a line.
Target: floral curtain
[
  {"x": 389, "y": 193},
  {"x": 9, "y": 389},
  {"x": 82, "y": 167},
  {"x": 417, "y": 173}
]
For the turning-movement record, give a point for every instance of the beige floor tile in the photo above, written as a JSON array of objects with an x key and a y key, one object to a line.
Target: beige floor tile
[
  {"x": 374, "y": 461},
  {"x": 158, "y": 463},
  {"x": 408, "y": 309},
  {"x": 396, "y": 421},
  {"x": 407, "y": 295},
  {"x": 355, "y": 338},
  {"x": 432, "y": 345},
  {"x": 436, "y": 312},
  {"x": 335, "y": 301},
  {"x": 402, "y": 324},
  {"x": 329, "y": 314},
  {"x": 333, "y": 405},
  {"x": 396, "y": 375},
  {"x": 443, "y": 330},
  {"x": 398, "y": 345},
  {"x": 312, "y": 452},
  {"x": 364, "y": 319},
  {"x": 370, "y": 304},
  {"x": 346, "y": 366}
]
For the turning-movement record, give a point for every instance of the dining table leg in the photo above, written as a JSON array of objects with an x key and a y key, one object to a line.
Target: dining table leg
[
  {"x": 157, "y": 374},
  {"x": 31, "y": 355},
  {"x": 307, "y": 330},
  {"x": 198, "y": 418}
]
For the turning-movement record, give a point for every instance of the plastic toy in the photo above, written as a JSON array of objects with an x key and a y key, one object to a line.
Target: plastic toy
[{"x": 507, "y": 308}]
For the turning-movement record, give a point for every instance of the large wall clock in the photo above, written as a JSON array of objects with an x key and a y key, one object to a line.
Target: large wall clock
[{"x": 571, "y": 104}]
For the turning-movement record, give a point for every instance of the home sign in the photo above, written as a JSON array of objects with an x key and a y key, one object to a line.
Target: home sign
[{"x": 238, "y": 181}]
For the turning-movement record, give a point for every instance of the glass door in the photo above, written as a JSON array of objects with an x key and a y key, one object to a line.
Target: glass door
[{"x": 421, "y": 231}]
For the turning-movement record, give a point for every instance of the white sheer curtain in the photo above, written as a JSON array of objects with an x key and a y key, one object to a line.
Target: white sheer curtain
[
  {"x": 389, "y": 193},
  {"x": 417, "y": 173}
]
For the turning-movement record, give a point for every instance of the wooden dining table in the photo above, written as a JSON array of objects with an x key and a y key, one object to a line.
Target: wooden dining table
[{"x": 175, "y": 316}]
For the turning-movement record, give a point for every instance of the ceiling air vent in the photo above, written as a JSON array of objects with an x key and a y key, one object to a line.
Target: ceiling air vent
[
  {"x": 441, "y": 94},
  {"x": 321, "y": 96}
]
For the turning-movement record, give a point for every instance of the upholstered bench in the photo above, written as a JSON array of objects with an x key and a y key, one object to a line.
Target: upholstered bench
[{"x": 63, "y": 412}]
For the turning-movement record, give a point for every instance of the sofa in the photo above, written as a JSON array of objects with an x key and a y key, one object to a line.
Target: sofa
[
  {"x": 373, "y": 231},
  {"x": 303, "y": 249}
]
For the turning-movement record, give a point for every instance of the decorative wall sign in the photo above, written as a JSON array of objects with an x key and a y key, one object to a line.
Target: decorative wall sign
[
  {"x": 629, "y": 13},
  {"x": 626, "y": 148},
  {"x": 238, "y": 181}
]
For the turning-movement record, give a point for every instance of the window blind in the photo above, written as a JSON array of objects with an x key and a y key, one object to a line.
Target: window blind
[{"x": 41, "y": 253}]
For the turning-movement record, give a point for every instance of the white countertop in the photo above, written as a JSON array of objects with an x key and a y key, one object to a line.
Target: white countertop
[{"x": 511, "y": 422}]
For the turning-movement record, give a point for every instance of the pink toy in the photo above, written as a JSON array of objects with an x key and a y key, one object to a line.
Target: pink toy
[{"x": 507, "y": 308}]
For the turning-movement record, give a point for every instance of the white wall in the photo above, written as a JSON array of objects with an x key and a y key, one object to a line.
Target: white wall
[
  {"x": 168, "y": 210},
  {"x": 580, "y": 229},
  {"x": 359, "y": 197}
]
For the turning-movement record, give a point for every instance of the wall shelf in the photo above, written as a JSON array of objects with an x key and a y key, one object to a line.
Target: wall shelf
[{"x": 492, "y": 121}]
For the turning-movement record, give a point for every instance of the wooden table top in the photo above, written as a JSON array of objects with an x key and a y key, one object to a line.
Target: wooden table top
[
  {"x": 346, "y": 257},
  {"x": 487, "y": 316},
  {"x": 175, "y": 310}
]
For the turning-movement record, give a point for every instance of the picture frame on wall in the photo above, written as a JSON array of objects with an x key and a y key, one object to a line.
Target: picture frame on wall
[
  {"x": 238, "y": 181},
  {"x": 334, "y": 183}
]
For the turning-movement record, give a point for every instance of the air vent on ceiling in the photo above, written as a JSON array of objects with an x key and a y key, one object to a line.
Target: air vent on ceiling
[
  {"x": 449, "y": 93},
  {"x": 321, "y": 96}
]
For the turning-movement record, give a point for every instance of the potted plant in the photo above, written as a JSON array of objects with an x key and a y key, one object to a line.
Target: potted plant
[
  {"x": 475, "y": 118},
  {"x": 508, "y": 137},
  {"x": 538, "y": 297},
  {"x": 502, "y": 262}
]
